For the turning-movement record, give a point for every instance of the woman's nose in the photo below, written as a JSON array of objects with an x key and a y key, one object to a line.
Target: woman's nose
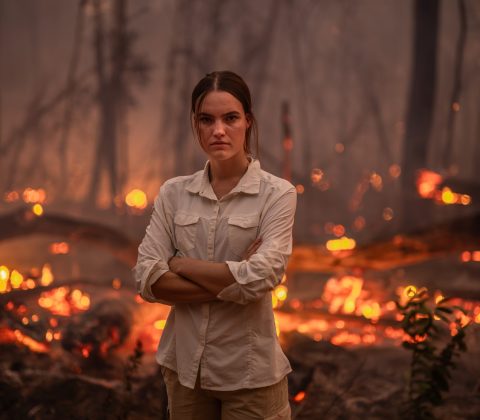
[{"x": 218, "y": 129}]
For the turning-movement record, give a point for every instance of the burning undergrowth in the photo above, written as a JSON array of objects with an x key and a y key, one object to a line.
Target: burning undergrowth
[{"x": 77, "y": 335}]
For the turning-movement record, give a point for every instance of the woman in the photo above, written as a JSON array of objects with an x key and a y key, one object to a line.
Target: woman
[{"x": 217, "y": 244}]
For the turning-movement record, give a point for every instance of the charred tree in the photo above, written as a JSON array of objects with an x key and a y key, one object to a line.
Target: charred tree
[
  {"x": 70, "y": 102},
  {"x": 106, "y": 151},
  {"x": 180, "y": 60},
  {"x": 116, "y": 69},
  {"x": 23, "y": 223},
  {"x": 420, "y": 108}
]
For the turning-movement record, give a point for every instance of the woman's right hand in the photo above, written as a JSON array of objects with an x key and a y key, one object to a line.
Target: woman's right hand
[{"x": 252, "y": 249}]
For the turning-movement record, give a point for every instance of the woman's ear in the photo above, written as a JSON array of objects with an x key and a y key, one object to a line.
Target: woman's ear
[{"x": 248, "y": 117}]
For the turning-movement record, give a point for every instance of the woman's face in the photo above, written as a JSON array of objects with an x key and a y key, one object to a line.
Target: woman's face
[{"x": 222, "y": 125}]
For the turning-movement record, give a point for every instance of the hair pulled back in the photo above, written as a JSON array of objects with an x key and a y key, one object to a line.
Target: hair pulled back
[{"x": 232, "y": 83}]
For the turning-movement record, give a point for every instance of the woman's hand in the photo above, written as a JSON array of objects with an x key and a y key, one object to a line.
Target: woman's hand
[{"x": 252, "y": 249}]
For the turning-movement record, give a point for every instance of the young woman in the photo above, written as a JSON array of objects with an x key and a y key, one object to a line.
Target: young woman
[{"x": 217, "y": 244}]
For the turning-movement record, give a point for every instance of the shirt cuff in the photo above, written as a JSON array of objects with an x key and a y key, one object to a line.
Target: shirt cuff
[
  {"x": 252, "y": 281},
  {"x": 158, "y": 270},
  {"x": 244, "y": 272},
  {"x": 231, "y": 293}
]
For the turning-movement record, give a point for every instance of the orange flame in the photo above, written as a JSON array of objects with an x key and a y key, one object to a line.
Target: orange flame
[
  {"x": 299, "y": 397},
  {"x": 427, "y": 183},
  {"x": 137, "y": 199}
]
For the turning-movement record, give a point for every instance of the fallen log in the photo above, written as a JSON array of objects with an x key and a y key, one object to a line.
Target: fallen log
[
  {"x": 23, "y": 222},
  {"x": 443, "y": 240}
]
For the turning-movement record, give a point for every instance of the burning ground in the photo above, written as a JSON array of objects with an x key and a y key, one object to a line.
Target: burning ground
[{"x": 76, "y": 345}]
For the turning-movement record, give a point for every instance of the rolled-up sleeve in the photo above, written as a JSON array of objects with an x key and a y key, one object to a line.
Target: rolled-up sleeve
[
  {"x": 155, "y": 250},
  {"x": 264, "y": 270}
]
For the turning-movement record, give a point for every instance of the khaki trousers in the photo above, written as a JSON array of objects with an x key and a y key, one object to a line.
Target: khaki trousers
[{"x": 266, "y": 403}]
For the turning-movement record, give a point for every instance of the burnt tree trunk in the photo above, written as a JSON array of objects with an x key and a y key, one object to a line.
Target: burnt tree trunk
[
  {"x": 111, "y": 97},
  {"x": 420, "y": 109},
  {"x": 70, "y": 102}
]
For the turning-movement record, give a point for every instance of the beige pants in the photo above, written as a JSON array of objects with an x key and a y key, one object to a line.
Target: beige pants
[{"x": 267, "y": 403}]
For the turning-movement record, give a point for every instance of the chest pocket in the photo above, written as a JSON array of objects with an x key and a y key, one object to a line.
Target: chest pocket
[
  {"x": 242, "y": 231},
  {"x": 185, "y": 231}
]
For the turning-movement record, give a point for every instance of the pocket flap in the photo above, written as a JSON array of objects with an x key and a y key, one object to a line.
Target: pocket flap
[
  {"x": 184, "y": 219},
  {"x": 244, "y": 221}
]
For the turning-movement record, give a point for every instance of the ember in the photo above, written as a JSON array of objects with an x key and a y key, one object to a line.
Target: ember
[
  {"x": 428, "y": 186},
  {"x": 64, "y": 301},
  {"x": 299, "y": 397}
]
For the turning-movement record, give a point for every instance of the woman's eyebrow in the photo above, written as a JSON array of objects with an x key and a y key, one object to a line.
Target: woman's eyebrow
[{"x": 206, "y": 114}]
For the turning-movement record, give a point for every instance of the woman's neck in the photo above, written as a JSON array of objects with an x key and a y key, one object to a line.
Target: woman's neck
[{"x": 228, "y": 170}]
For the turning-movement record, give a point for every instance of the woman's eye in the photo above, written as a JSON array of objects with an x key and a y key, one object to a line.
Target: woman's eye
[
  {"x": 231, "y": 118},
  {"x": 205, "y": 120}
]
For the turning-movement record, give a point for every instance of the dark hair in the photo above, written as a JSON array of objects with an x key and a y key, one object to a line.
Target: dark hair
[{"x": 232, "y": 83}]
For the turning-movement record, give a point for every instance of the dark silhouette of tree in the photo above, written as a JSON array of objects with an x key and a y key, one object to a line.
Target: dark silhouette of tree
[{"x": 420, "y": 106}]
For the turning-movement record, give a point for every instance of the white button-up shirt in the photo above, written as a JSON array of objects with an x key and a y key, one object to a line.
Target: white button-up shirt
[{"x": 233, "y": 339}]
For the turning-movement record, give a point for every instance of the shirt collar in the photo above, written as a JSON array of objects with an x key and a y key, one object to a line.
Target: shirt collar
[{"x": 249, "y": 183}]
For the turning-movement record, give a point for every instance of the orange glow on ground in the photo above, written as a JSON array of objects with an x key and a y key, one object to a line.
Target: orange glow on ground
[
  {"x": 342, "y": 244},
  {"x": 299, "y": 397}
]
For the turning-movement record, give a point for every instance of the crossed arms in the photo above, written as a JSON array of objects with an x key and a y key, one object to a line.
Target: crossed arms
[
  {"x": 190, "y": 280},
  {"x": 162, "y": 278}
]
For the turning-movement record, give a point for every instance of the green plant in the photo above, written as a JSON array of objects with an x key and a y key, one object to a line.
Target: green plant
[{"x": 429, "y": 326}]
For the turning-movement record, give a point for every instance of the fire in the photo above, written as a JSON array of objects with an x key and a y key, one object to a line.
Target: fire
[
  {"x": 137, "y": 199},
  {"x": 160, "y": 324},
  {"x": 59, "y": 248},
  {"x": 11, "y": 196},
  {"x": 85, "y": 350},
  {"x": 37, "y": 209},
  {"x": 4, "y": 272},
  {"x": 281, "y": 292},
  {"x": 344, "y": 337},
  {"x": 299, "y": 397},
  {"x": 4, "y": 275},
  {"x": 61, "y": 301},
  {"x": 12, "y": 280},
  {"x": 342, "y": 294},
  {"x": 467, "y": 256},
  {"x": 342, "y": 244},
  {"x": 47, "y": 275},
  {"x": 410, "y": 291},
  {"x": 277, "y": 325},
  {"x": 428, "y": 183},
  {"x": 16, "y": 279},
  {"x": 371, "y": 310},
  {"x": 7, "y": 335},
  {"x": 31, "y": 195}
]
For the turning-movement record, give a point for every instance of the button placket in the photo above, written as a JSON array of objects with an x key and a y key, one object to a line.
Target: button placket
[{"x": 211, "y": 234}]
